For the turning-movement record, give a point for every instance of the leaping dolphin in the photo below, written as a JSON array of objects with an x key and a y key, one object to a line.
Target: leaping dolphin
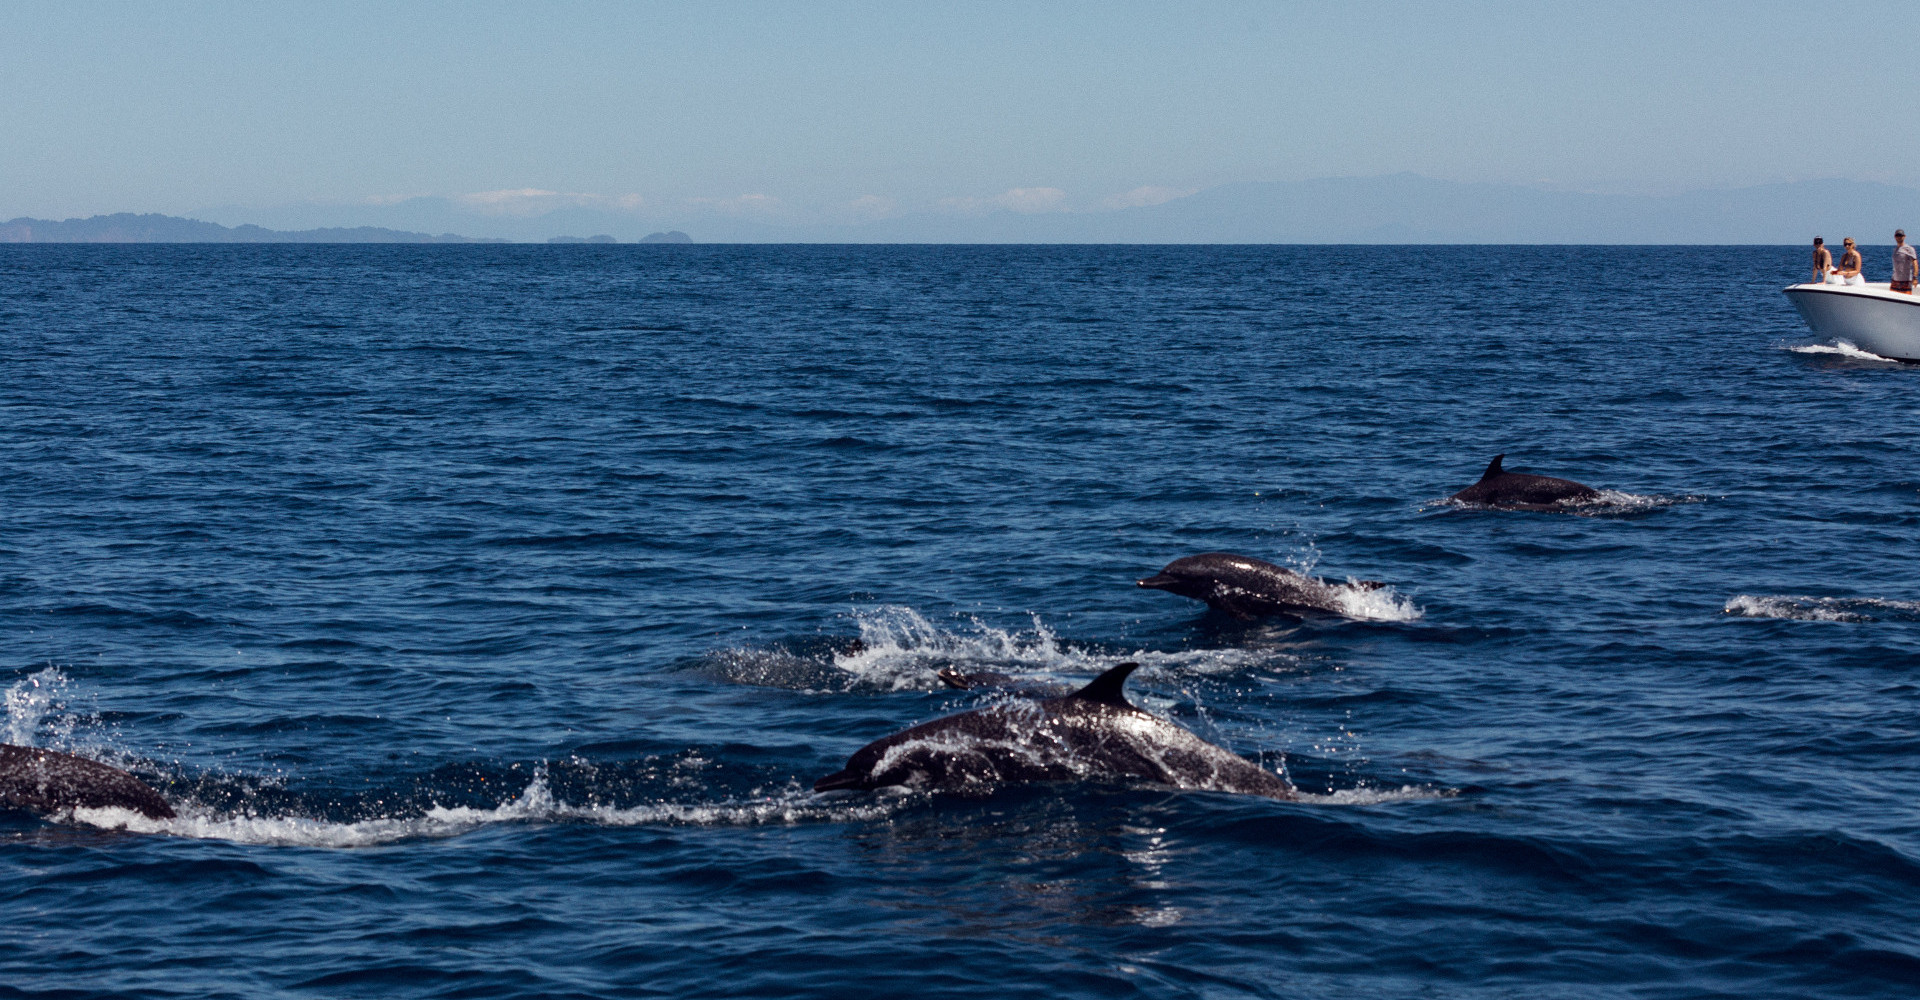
[
  {"x": 1245, "y": 587},
  {"x": 48, "y": 781},
  {"x": 1505, "y": 490},
  {"x": 1093, "y": 733}
]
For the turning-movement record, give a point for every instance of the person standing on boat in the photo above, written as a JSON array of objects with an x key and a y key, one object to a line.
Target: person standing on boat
[
  {"x": 1906, "y": 266},
  {"x": 1822, "y": 261},
  {"x": 1848, "y": 273}
]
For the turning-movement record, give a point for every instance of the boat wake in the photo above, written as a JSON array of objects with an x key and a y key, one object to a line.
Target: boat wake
[
  {"x": 1823, "y": 609},
  {"x": 1843, "y": 349}
]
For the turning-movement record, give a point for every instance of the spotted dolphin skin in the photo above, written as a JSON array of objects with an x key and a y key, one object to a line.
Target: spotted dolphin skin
[
  {"x": 1503, "y": 490},
  {"x": 1245, "y": 587},
  {"x": 1091, "y": 734},
  {"x": 48, "y": 781}
]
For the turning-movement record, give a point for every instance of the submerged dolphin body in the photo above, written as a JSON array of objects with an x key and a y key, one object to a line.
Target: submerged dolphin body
[
  {"x": 1245, "y": 587},
  {"x": 1093, "y": 733},
  {"x": 1505, "y": 490},
  {"x": 48, "y": 781},
  {"x": 994, "y": 680}
]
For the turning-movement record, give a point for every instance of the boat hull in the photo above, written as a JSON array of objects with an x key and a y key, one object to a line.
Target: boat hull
[{"x": 1870, "y": 317}]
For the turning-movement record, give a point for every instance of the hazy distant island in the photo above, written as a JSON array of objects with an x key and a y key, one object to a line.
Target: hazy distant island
[
  {"x": 126, "y": 227},
  {"x": 670, "y": 236}
]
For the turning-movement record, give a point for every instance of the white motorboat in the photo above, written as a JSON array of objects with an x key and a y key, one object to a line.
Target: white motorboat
[{"x": 1871, "y": 317}]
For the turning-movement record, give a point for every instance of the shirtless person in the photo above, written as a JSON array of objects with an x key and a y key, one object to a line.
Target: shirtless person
[
  {"x": 1822, "y": 261},
  {"x": 1905, "y": 265},
  {"x": 1848, "y": 273}
]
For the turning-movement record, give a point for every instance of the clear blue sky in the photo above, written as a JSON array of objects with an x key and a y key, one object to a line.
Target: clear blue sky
[{"x": 826, "y": 110}]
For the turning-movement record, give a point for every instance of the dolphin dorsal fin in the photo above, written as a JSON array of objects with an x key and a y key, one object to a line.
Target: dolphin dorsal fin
[
  {"x": 1106, "y": 688},
  {"x": 1493, "y": 467}
]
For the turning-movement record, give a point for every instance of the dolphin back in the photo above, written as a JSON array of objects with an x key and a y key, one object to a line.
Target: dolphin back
[
  {"x": 48, "y": 781},
  {"x": 1094, "y": 733},
  {"x": 1505, "y": 490}
]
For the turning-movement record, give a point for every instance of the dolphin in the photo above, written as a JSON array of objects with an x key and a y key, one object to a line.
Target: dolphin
[
  {"x": 48, "y": 781},
  {"x": 1503, "y": 490},
  {"x": 1245, "y": 587},
  {"x": 1093, "y": 733}
]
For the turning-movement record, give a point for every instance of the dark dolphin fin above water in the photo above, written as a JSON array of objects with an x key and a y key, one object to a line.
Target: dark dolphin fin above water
[
  {"x": 48, "y": 781},
  {"x": 1109, "y": 688},
  {"x": 1503, "y": 490},
  {"x": 1091, "y": 734}
]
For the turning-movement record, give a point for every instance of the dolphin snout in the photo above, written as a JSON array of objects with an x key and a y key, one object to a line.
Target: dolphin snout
[{"x": 1158, "y": 581}]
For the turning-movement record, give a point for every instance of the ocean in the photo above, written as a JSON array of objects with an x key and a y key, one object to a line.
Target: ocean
[{"x": 488, "y": 612}]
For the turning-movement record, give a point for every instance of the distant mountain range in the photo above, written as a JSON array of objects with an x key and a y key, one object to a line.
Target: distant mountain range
[
  {"x": 125, "y": 227},
  {"x": 1394, "y": 209}
]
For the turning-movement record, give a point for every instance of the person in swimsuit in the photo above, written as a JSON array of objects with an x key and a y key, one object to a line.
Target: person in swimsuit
[
  {"x": 1848, "y": 273},
  {"x": 1822, "y": 261}
]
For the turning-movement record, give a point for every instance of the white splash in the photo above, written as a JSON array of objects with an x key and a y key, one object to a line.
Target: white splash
[
  {"x": 1843, "y": 349},
  {"x": 900, "y": 650},
  {"x": 1373, "y": 604},
  {"x": 29, "y": 703},
  {"x": 1822, "y": 609}
]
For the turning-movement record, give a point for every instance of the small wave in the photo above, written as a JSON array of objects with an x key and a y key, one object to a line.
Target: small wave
[
  {"x": 1822, "y": 609},
  {"x": 536, "y": 803},
  {"x": 1843, "y": 349}
]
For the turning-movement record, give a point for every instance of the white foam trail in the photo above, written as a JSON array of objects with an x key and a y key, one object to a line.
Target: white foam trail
[
  {"x": 1822, "y": 609},
  {"x": 1374, "y": 796},
  {"x": 1622, "y": 502},
  {"x": 1843, "y": 349},
  {"x": 533, "y": 805},
  {"x": 1608, "y": 502},
  {"x": 901, "y": 650}
]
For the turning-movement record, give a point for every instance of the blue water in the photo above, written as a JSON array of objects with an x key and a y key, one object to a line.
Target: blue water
[{"x": 487, "y": 612}]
